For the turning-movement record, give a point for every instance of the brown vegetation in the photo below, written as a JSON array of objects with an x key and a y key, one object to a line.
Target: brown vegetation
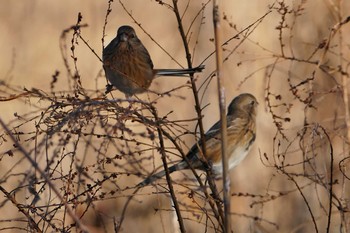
[{"x": 71, "y": 155}]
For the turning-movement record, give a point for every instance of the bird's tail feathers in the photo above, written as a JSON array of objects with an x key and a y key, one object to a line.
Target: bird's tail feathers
[
  {"x": 179, "y": 166},
  {"x": 179, "y": 72}
]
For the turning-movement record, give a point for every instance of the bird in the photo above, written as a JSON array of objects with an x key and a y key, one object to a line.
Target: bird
[
  {"x": 128, "y": 65},
  {"x": 241, "y": 133}
]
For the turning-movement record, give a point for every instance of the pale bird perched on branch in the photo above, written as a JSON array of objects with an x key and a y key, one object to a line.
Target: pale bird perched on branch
[
  {"x": 128, "y": 65},
  {"x": 241, "y": 131}
]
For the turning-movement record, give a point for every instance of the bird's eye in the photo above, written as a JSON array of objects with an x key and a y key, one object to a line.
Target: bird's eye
[
  {"x": 253, "y": 102},
  {"x": 132, "y": 35}
]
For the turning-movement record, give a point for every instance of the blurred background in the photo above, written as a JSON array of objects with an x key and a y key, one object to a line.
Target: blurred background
[{"x": 292, "y": 55}]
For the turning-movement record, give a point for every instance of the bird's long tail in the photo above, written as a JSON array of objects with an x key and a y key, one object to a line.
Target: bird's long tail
[
  {"x": 179, "y": 72},
  {"x": 179, "y": 166}
]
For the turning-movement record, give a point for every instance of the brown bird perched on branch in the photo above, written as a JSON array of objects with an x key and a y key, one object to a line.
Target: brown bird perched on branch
[
  {"x": 128, "y": 65},
  {"x": 241, "y": 130}
]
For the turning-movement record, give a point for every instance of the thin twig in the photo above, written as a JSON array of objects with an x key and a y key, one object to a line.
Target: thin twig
[
  {"x": 304, "y": 198},
  {"x": 199, "y": 115},
  {"x": 149, "y": 35},
  {"x": 20, "y": 208},
  {"x": 167, "y": 174},
  {"x": 117, "y": 226},
  {"x": 76, "y": 219},
  {"x": 330, "y": 183},
  {"x": 109, "y": 10}
]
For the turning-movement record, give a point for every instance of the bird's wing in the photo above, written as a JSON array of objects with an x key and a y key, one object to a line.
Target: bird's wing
[
  {"x": 109, "y": 49},
  {"x": 235, "y": 126},
  {"x": 145, "y": 54},
  {"x": 213, "y": 132}
]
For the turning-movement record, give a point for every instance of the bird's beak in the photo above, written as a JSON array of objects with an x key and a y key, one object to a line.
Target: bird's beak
[{"x": 124, "y": 37}]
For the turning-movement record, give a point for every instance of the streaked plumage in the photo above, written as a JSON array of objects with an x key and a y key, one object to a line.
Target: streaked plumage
[
  {"x": 241, "y": 131},
  {"x": 128, "y": 65}
]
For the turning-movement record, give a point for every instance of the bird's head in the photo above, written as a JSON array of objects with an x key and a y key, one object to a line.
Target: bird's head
[
  {"x": 126, "y": 33},
  {"x": 244, "y": 102}
]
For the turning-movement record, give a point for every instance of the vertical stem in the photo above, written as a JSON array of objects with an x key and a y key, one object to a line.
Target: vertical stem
[
  {"x": 222, "y": 106},
  {"x": 345, "y": 97},
  {"x": 170, "y": 185},
  {"x": 219, "y": 213},
  {"x": 344, "y": 77},
  {"x": 167, "y": 174},
  {"x": 193, "y": 83}
]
